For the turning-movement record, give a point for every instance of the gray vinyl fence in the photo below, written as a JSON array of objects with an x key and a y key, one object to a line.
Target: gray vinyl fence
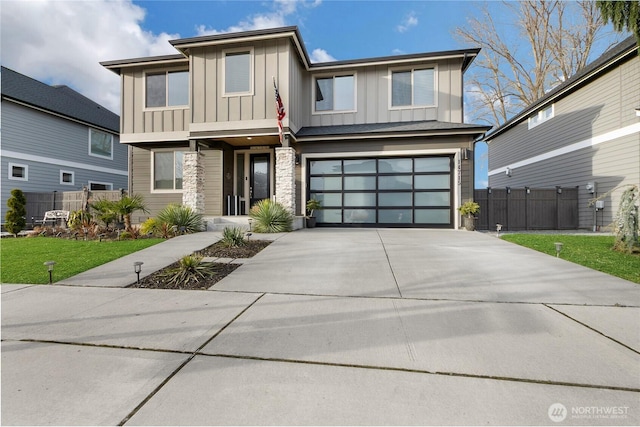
[
  {"x": 39, "y": 203},
  {"x": 527, "y": 208}
]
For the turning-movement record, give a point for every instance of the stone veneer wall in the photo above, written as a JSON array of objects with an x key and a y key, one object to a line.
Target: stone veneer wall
[
  {"x": 193, "y": 181},
  {"x": 286, "y": 178}
]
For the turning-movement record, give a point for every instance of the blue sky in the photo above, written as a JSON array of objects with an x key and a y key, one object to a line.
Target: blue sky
[{"x": 62, "y": 42}]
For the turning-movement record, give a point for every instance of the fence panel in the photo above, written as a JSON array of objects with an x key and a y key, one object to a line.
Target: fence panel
[{"x": 39, "y": 203}]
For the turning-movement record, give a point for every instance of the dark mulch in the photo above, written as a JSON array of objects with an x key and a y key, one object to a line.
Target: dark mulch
[{"x": 158, "y": 281}]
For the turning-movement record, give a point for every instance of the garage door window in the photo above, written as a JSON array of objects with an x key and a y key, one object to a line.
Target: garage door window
[{"x": 391, "y": 191}]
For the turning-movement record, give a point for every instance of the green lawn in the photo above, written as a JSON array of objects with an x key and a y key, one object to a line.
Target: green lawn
[
  {"x": 21, "y": 259},
  {"x": 591, "y": 251}
]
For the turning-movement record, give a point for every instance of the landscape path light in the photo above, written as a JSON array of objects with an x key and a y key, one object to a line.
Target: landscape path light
[
  {"x": 50, "y": 265},
  {"x": 558, "y": 249},
  {"x": 137, "y": 267}
]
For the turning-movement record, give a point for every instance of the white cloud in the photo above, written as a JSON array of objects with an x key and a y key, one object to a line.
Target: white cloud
[
  {"x": 321, "y": 55},
  {"x": 409, "y": 21},
  {"x": 62, "y": 42}
]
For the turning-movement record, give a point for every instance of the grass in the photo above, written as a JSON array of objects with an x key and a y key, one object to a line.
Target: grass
[
  {"x": 591, "y": 251},
  {"x": 22, "y": 259}
]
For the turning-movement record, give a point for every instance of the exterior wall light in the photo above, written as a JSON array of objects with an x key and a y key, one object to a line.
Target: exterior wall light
[
  {"x": 508, "y": 190},
  {"x": 137, "y": 268},
  {"x": 508, "y": 171},
  {"x": 558, "y": 249},
  {"x": 558, "y": 189},
  {"x": 50, "y": 265},
  {"x": 489, "y": 190},
  {"x": 528, "y": 189}
]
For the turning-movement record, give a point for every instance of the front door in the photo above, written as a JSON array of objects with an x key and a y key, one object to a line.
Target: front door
[{"x": 259, "y": 185}]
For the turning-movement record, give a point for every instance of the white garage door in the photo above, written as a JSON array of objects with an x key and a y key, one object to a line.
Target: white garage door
[{"x": 385, "y": 192}]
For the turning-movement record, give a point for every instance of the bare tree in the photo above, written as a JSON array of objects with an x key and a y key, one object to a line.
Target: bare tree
[{"x": 555, "y": 42}]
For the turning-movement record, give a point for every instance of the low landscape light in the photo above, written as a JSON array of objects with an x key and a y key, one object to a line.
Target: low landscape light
[
  {"x": 558, "y": 249},
  {"x": 250, "y": 221},
  {"x": 137, "y": 267},
  {"x": 498, "y": 228},
  {"x": 50, "y": 265}
]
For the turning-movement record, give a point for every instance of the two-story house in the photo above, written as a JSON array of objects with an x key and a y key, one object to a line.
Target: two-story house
[
  {"x": 379, "y": 141},
  {"x": 55, "y": 139},
  {"x": 584, "y": 133}
]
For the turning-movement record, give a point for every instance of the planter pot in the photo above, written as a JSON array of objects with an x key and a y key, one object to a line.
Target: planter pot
[
  {"x": 311, "y": 221},
  {"x": 469, "y": 223}
]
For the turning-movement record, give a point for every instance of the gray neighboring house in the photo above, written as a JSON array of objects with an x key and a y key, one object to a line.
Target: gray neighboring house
[
  {"x": 584, "y": 133},
  {"x": 380, "y": 141},
  {"x": 55, "y": 139}
]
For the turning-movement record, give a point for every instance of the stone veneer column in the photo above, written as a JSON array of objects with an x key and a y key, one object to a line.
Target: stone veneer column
[
  {"x": 286, "y": 178},
  {"x": 193, "y": 181}
]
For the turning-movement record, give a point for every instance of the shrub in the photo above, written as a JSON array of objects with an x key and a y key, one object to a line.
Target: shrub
[
  {"x": 151, "y": 226},
  {"x": 190, "y": 267},
  {"x": 80, "y": 219},
  {"x": 627, "y": 221},
  {"x": 106, "y": 211},
  {"x": 469, "y": 208},
  {"x": 270, "y": 217},
  {"x": 232, "y": 237},
  {"x": 181, "y": 218},
  {"x": 15, "y": 220},
  {"x": 127, "y": 205}
]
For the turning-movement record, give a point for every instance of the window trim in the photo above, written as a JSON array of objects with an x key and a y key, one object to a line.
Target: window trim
[
  {"x": 106, "y": 184},
  {"x": 538, "y": 117},
  {"x": 153, "y": 168},
  {"x": 166, "y": 71},
  {"x": 250, "y": 92},
  {"x": 73, "y": 177},
  {"x": 392, "y": 70},
  {"x": 17, "y": 178},
  {"x": 99, "y": 155},
  {"x": 314, "y": 86}
]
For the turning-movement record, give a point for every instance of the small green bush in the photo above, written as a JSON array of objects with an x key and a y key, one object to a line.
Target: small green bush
[
  {"x": 190, "y": 267},
  {"x": 105, "y": 211},
  {"x": 232, "y": 237},
  {"x": 79, "y": 219},
  {"x": 15, "y": 220},
  {"x": 151, "y": 226},
  {"x": 182, "y": 218},
  {"x": 270, "y": 217}
]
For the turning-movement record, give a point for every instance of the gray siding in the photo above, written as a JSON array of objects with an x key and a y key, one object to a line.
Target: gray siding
[
  {"x": 602, "y": 106},
  {"x": 50, "y": 144}
]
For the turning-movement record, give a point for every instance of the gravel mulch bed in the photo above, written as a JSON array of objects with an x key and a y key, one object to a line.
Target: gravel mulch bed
[{"x": 218, "y": 250}]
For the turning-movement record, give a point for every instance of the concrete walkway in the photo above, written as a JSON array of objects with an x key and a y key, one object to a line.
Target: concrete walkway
[{"x": 326, "y": 326}]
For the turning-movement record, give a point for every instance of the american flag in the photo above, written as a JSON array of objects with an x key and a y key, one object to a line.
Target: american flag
[{"x": 279, "y": 110}]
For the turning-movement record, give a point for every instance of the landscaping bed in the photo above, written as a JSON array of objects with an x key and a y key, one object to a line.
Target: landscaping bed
[{"x": 216, "y": 271}]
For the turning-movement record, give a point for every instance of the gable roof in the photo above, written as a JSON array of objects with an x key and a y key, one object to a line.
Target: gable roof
[
  {"x": 601, "y": 65},
  {"x": 61, "y": 100}
]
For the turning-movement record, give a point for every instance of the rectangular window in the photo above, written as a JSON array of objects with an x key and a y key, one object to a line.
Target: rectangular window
[
  {"x": 335, "y": 93},
  {"x": 97, "y": 186},
  {"x": 167, "y": 89},
  {"x": 238, "y": 73},
  {"x": 18, "y": 172},
  {"x": 413, "y": 88},
  {"x": 541, "y": 116},
  {"x": 100, "y": 144},
  {"x": 66, "y": 177},
  {"x": 167, "y": 170}
]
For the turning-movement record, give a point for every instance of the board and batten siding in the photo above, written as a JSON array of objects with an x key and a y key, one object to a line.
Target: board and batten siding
[
  {"x": 136, "y": 118},
  {"x": 47, "y": 144},
  {"x": 156, "y": 201},
  {"x": 598, "y": 108}
]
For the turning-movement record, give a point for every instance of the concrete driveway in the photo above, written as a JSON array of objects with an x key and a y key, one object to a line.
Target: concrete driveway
[{"x": 325, "y": 326}]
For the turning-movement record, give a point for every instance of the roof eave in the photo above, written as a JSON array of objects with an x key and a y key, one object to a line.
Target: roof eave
[
  {"x": 117, "y": 65},
  {"x": 477, "y": 132}
]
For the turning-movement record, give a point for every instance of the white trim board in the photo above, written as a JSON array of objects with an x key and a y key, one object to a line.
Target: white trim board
[
  {"x": 58, "y": 162},
  {"x": 590, "y": 142}
]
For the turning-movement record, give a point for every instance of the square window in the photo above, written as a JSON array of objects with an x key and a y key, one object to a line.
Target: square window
[
  {"x": 237, "y": 73},
  {"x": 335, "y": 93},
  {"x": 413, "y": 88},
  {"x": 100, "y": 144},
  {"x": 18, "y": 172},
  {"x": 167, "y": 89},
  {"x": 66, "y": 177}
]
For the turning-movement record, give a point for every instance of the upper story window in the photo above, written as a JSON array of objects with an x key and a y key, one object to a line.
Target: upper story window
[
  {"x": 413, "y": 88},
  {"x": 100, "y": 144},
  {"x": 66, "y": 177},
  {"x": 238, "y": 72},
  {"x": 336, "y": 93},
  {"x": 167, "y": 170},
  {"x": 167, "y": 89},
  {"x": 18, "y": 172},
  {"x": 541, "y": 116}
]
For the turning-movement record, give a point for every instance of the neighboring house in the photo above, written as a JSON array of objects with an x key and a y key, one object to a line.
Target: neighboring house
[
  {"x": 378, "y": 141},
  {"x": 55, "y": 139},
  {"x": 584, "y": 133}
]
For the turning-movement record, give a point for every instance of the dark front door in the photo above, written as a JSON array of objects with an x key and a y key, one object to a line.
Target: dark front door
[{"x": 259, "y": 185}]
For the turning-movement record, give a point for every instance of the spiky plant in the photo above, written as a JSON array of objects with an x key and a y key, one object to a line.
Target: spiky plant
[
  {"x": 181, "y": 218},
  {"x": 106, "y": 211},
  {"x": 127, "y": 205},
  {"x": 190, "y": 267},
  {"x": 270, "y": 217},
  {"x": 232, "y": 237}
]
